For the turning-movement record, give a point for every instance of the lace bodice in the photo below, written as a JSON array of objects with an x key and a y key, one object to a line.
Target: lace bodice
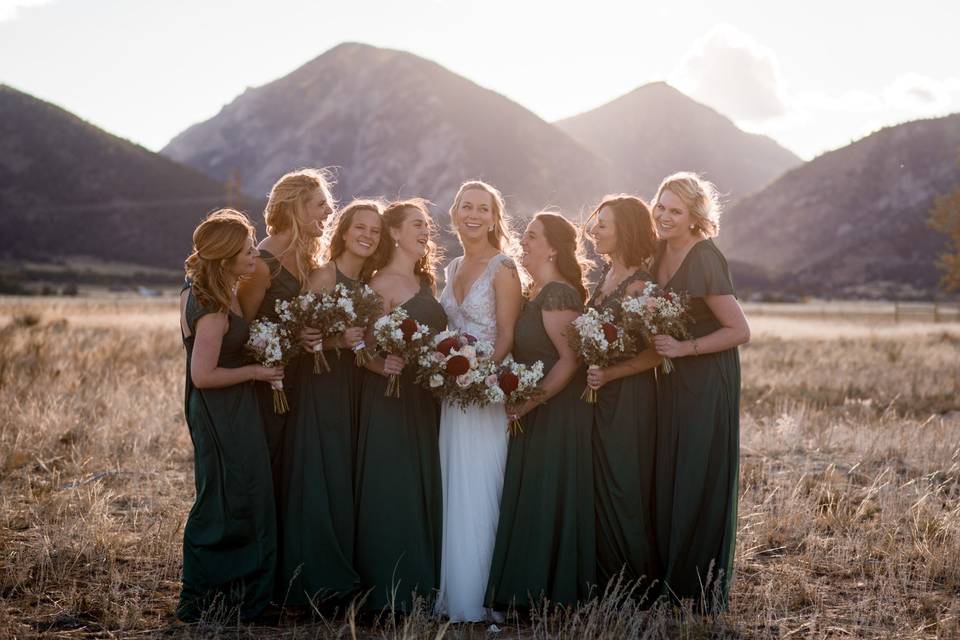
[{"x": 478, "y": 313}]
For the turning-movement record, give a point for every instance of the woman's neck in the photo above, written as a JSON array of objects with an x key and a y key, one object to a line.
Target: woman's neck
[
  {"x": 682, "y": 243},
  {"x": 545, "y": 275},
  {"x": 402, "y": 263},
  {"x": 619, "y": 268},
  {"x": 349, "y": 264},
  {"x": 478, "y": 248}
]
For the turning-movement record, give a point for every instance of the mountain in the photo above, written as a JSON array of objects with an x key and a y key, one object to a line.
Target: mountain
[
  {"x": 69, "y": 189},
  {"x": 394, "y": 125},
  {"x": 853, "y": 221},
  {"x": 655, "y": 130}
]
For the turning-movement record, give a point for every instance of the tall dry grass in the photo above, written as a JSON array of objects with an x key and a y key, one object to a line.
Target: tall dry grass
[{"x": 849, "y": 519}]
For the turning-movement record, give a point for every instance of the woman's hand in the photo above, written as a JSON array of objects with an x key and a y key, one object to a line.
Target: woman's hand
[
  {"x": 669, "y": 347},
  {"x": 267, "y": 374},
  {"x": 351, "y": 337},
  {"x": 392, "y": 365},
  {"x": 515, "y": 412},
  {"x": 310, "y": 338},
  {"x": 597, "y": 377}
]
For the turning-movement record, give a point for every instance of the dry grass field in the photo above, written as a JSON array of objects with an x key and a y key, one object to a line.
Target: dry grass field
[{"x": 849, "y": 516}]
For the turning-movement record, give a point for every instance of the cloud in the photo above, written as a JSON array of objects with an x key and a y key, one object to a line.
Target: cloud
[
  {"x": 920, "y": 94},
  {"x": 10, "y": 8},
  {"x": 732, "y": 72}
]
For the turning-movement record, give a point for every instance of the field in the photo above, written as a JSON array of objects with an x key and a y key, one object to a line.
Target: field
[{"x": 849, "y": 516}]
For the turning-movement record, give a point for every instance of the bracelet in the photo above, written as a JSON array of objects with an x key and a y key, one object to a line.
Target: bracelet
[{"x": 696, "y": 351}]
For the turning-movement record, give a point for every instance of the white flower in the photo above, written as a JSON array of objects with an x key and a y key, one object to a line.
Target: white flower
[{"x": 436, "y": 380}]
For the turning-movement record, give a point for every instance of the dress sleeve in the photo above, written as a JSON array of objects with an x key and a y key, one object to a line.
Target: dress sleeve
[
  {"x": 505, "y": 261},
  {"x": 708, "y": 273},
  {"x": 560, "y": 296},
  {"x": 195, "y": 311}
]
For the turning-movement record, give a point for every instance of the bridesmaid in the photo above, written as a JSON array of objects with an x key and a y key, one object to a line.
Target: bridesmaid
[
  {"x": 299, "y": 203},
  {"x": 545, "y": 545},
  {"x": 698, "y": 424},
  {"x": 229, "y": 540},
  {"x": 316, "y": 512},
  {"x": 625, "y": 415},
  {"x": 398, "y": 492}
]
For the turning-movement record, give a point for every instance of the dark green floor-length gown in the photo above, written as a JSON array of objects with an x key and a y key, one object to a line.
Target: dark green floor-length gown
[
  {"x": 230, "y": 538},
  {"x": 624, "y": 455},
  {"x": 283, "y": 286},
  {"x": 398, "y": 491},
  {"x": 316, "y": 515},
  {"x": 546, "y": 546},
  {"x": 698, "y": 434}
]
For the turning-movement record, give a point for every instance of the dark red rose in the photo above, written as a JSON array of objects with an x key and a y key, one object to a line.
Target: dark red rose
[
  {"x": 457, "y": 366},
  {"x": 408, "y": 327},
  {"x": 509, "y": 382},
  {"x": 668, "y": 296},
  {"x": 610, "y": 332},
  {"x": 448, "y": 344},
  {"x": 471, "y": 340}
]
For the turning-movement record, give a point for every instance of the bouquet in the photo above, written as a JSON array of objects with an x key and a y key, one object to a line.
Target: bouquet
[
  {"x": 399, "y": 335},
  {"x": 657, "y": 312},
  {"x": 455, "y": 366},
  {"x": 367, "y": 307},
  {"x": 311, "y": 310},
  {"x": 518, "y": 383},
  {"x": 271, "y": 346},
  {"x": 599, "y": 343}
]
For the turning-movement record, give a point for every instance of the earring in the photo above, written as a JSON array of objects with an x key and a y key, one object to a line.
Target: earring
[
  {"x": 490, "y": 230},
  {"x": 551, "y": 258},
  {"x": 396, "y": 243},
  {"x": 693, "y": 227}
]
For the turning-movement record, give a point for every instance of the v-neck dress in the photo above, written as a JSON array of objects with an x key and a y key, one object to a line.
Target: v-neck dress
[
  {"x": 698, "y": 431},
  {"x": 624, "y": 456}
]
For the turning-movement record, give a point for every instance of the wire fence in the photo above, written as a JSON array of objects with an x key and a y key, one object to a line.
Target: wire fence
[{"x": 893, "y": 312}]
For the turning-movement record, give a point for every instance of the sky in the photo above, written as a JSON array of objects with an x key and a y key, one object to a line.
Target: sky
[{"x": 813, "y": 75}]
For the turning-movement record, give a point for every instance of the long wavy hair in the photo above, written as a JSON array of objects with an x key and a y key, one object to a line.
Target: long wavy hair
[
  {"x": 284, "y": 212},
  {"x": 701, "y": 198},
  {"x": 501, "y": 237},
  {"x": 394, "y": 215},
  {"x": 571, "y": 260},
  {"x": 343, "y": 221},
  {"x": 636, "y": 233},
  {"x": 216, "y": 241}
]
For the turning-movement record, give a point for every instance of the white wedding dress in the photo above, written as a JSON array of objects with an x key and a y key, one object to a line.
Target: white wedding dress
[{"x": 473, "y": 452}]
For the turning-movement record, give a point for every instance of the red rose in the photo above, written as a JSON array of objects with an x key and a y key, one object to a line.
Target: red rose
[
  {"x": 668, "y": 296},
  {"x": 408, "y": 327},
  {"x": 457, "y": 366},
  {"x": 509, "y": 382},
  {"x": 610, "y": 332},
  {"x": 448, "y": 344}
]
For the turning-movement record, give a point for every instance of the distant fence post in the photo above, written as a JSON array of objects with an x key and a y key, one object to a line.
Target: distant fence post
[{"x": 896, "y": 312}]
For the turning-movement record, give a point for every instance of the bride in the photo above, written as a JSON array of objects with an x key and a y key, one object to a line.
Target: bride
[{"x": 481, "y": 297}]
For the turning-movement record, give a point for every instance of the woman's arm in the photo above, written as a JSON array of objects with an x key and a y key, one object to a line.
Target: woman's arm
[
  {"x": 204, "y": 371},
  {"x": 557, "y": 323},
  {"x": 509, "y": 297},
  {"x": 733, "y": 332},
  {"x": 251, "y": 290}
]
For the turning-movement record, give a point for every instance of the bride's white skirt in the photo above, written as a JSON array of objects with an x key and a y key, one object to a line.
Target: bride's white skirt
[{"x": 473, "y": 452}]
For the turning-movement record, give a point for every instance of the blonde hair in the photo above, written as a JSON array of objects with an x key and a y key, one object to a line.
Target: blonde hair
[
  {"x": 343, "y": 221},
  {"x": 284, "y": 212},
  {"x": 216, "y": 241},
  {"x": 501, "y": 237},
  {"x": 394, "y": 215},
  {"x": 700, "y": 197}
]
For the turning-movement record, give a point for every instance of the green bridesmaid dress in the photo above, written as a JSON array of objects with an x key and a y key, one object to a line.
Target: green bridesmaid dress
[
  {"x": 283, "y": 286},
  {"x": 698, "y": 431},
  {"x": 624, "y": 456},
  {"x": 316, "y": 513},
  {"x": 398, "y": 491},
  {"x": 230, "y": 538},
  {"x": 546, "y": 545}
]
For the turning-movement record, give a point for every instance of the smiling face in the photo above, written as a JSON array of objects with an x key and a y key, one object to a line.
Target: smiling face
[
  {"x": 363, "y": 235},
  {"x": 244, "y": 262},
  {"x": 672, "y": 216},
  {"x": 316, "y": 210},
  {"x": 475, "y": 215},
  {"x": 603, "y": 232},
  {"x": 536, "y": 250},
  {"x": 413, "y": 234}
]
